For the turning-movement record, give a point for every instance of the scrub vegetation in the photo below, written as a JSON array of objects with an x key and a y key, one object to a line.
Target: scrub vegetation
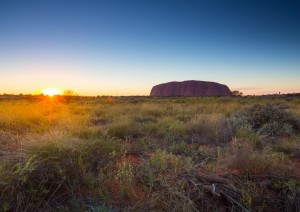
[{"x": 72, "y": 153}]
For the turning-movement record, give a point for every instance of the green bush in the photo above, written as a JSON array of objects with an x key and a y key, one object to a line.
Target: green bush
[
  {"x": 271, "y": 119},
  {"x": 124, "y": 129},
  {"x": 163, "y": 162}
]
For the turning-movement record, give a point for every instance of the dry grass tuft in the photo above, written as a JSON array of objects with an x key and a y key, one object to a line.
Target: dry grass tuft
[{"x": 244, "y": 156}]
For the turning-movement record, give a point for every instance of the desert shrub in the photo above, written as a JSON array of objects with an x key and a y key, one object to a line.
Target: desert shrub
[
  {"x": 273, "y": 129},
  {"x": 245, "y": 132},
  {"x": 181, "y": 148},
  {"x": 207, "y": 152},
  {"x": 251, "y": 195},
  {"x": 138, "y": 145},
  {"x": 9, "y": 140},
  {"x": 289, "y": 193},
  {"x": 125, "y": 177},
  {"x": 289, "y": 146},
  {"x": 237, "y": 121},
  {"x": 211, "y": 129},
  {"x": 87, "y": 133},
  {"x": 168, "y": 127},
  {"x": 271, "y": 119},
  {"x": 152, "y": 129},
  {"x": 124, "y": 128},
  {"x": 99, "y": 121},
  {"x": 244, "y": 156},
  {"x": 162, "y": 162},
  {"x": 152, "y": 111},
  {"x": 183, "y": 117},
  {"x": 144, "y": 119},
  {"x": 50, "y": 169},
  {"x": 173, "y": 198}
]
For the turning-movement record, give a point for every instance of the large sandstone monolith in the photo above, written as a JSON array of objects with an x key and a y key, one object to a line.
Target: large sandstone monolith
[{"x": 190, "y": 88}]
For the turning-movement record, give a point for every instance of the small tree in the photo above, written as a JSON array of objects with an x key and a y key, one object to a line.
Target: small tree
[
  {"x": 69, "y": 93},
  {"x": 236, "y": 93}
]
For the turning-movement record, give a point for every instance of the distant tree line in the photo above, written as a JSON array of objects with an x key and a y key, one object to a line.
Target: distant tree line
[{"x": 236, "y": 93}]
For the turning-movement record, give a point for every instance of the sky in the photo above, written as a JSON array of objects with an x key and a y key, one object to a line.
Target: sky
[{"x": 126, "y": 47}]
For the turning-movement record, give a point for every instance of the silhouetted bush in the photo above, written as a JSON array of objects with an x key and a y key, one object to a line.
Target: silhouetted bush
[{"x": 236, "y": 93}]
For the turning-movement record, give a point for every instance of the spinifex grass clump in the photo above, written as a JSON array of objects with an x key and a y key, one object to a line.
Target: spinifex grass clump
[
  {"x": 210, "y": 128},
  {"x": 244, "y": 156},
  {"x": 164, "y": 162}
]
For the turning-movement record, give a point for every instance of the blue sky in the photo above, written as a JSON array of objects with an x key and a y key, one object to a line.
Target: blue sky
[{"x": 126, "y": 47}]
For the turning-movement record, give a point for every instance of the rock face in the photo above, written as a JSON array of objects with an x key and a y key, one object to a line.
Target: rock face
[{"x": 190, "y": 88}]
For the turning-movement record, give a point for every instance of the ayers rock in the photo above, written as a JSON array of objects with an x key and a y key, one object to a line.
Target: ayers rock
[{"x": 190, "y": 88}]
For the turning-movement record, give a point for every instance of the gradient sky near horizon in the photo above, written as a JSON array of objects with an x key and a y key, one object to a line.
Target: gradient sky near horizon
[{"x": 126, "y": 47}]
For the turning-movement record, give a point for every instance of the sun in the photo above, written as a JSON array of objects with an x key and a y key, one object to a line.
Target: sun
[{"x": 51, "y": 92}]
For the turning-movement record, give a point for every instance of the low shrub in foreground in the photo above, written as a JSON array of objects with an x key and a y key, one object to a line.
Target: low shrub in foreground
[
  {"x": 164, "y": 163},
  {"x": 51, "y": 173},
  {"x": 246, "y": 158}
]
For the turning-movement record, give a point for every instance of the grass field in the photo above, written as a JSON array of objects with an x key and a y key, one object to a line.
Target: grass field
[{"x": 149, "y": 154}]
